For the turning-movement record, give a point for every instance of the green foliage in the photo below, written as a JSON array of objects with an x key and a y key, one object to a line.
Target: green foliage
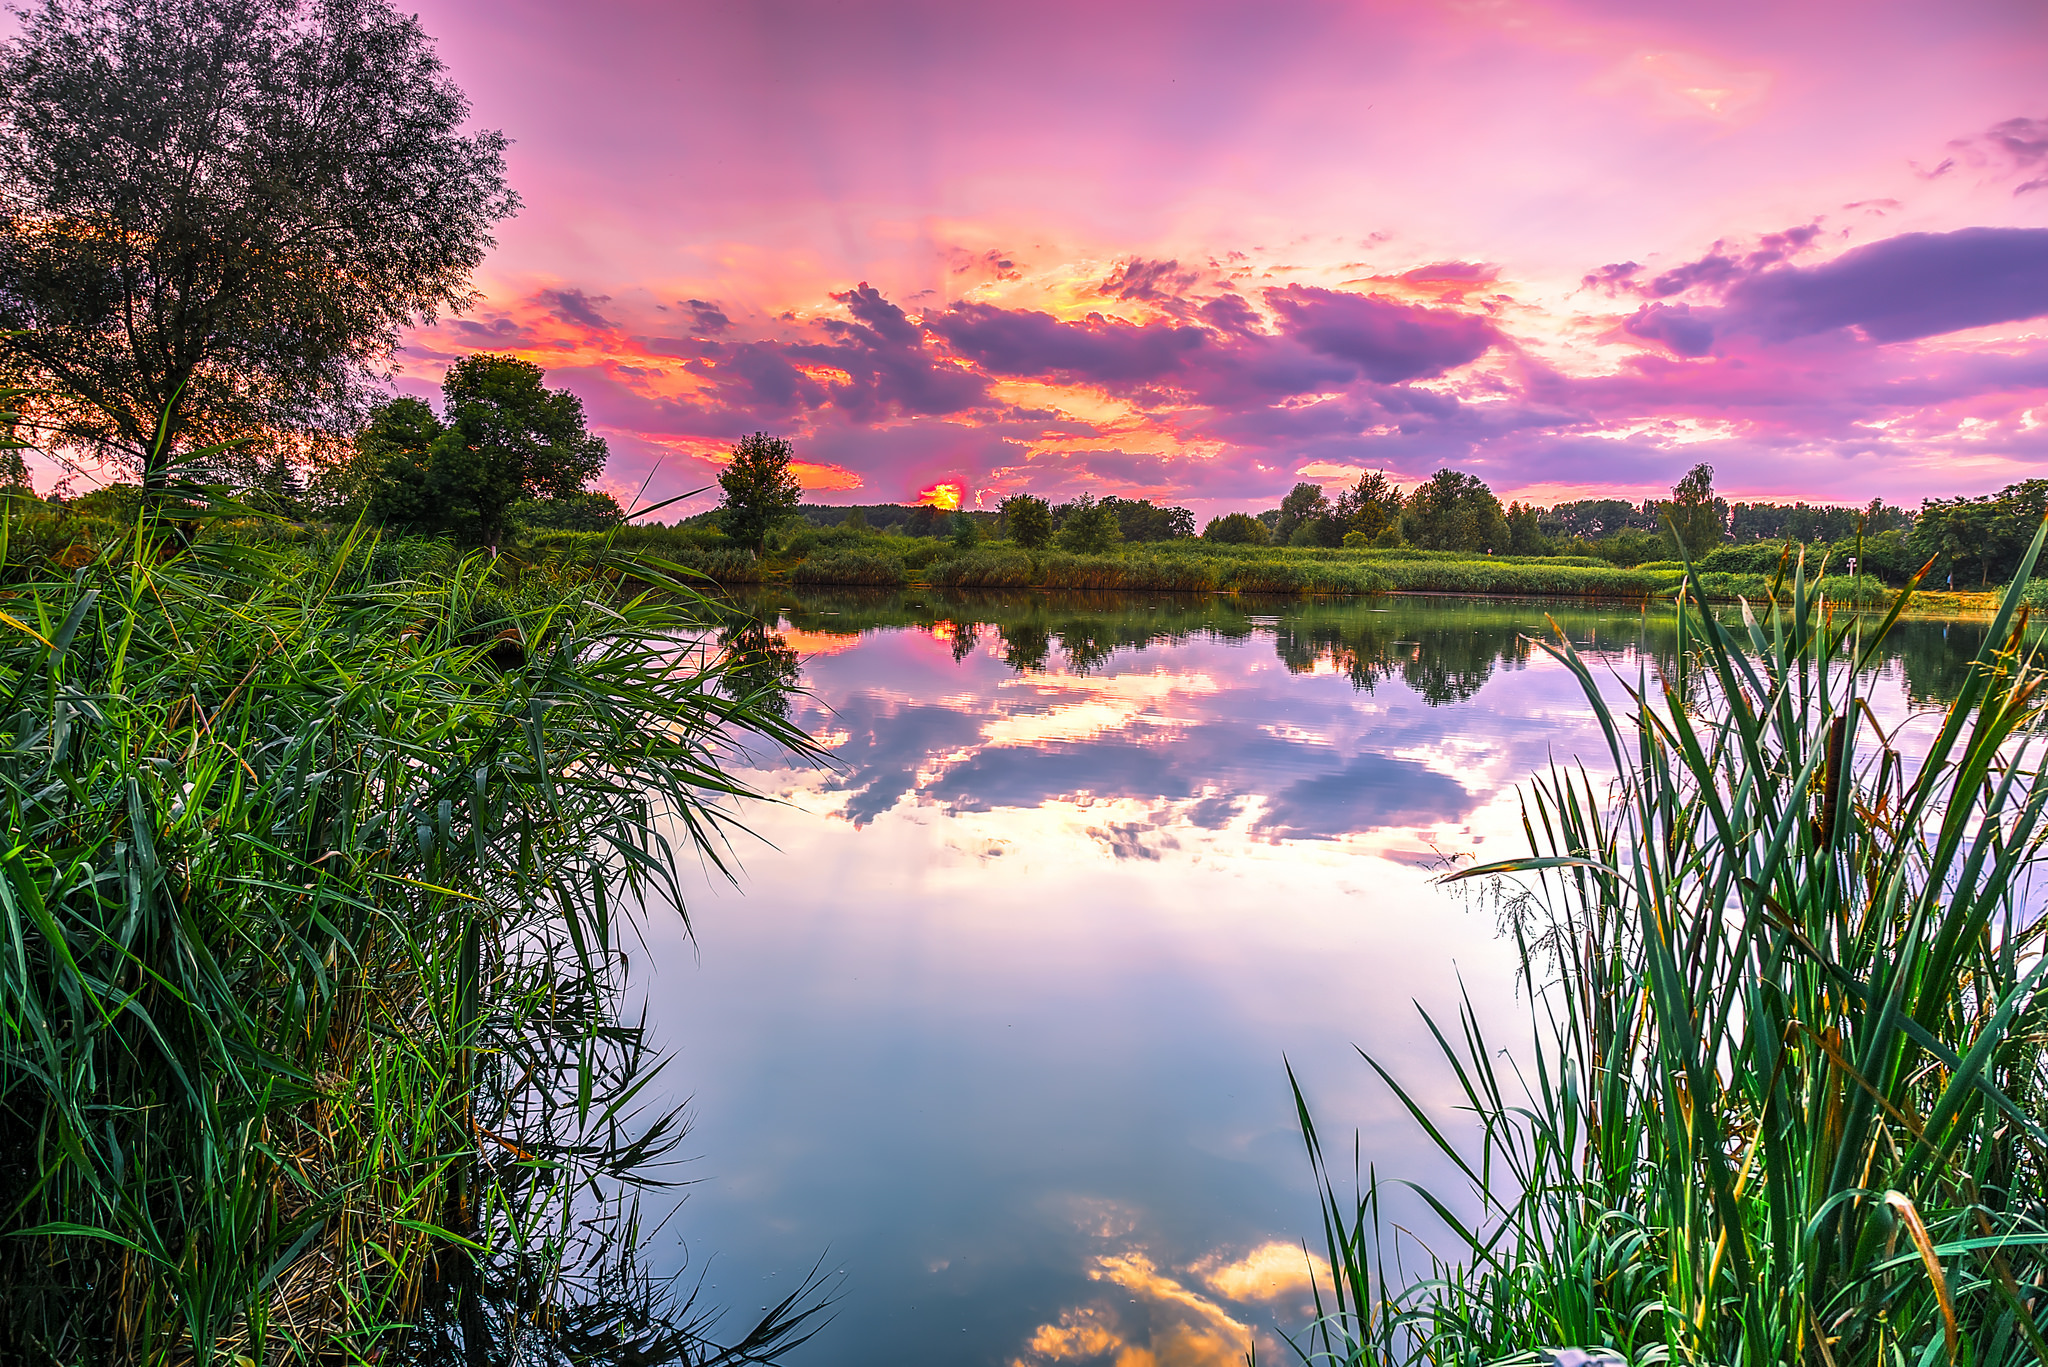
[
  {"x": 1139, "y": 519},
  {"x": 1784, "y": 1094},
  {"x": 1371, "y": 508},
  {"x": 1454, "y": 512},
  {"x": 1305, "y": 506},
  {"x": 1088, "y": 527},
  {"x": 1027, "y": 521},
  {"x": 309, "y": 965},
  {"x": 507, "y": 438},
  {"x": 578, "y": 512},
  {"x": 1984, "y": 535},
  {"x": 966, "y": 534},
  {"x": 1525, "y": 532},
  {"x": 1236, "y": 529},
  {"x": 220, "y": 213},
  {"x": 1694, "y": 516},
  {"x": 760, "y": 489}
]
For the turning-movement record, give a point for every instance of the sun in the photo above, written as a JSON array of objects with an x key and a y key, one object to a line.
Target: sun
[{"x": 945, "y": 495}]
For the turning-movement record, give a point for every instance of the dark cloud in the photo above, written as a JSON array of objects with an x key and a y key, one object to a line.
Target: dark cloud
[
  {"x": 1371, "y": 792},
  {"x": 1712, "y": 270},
  {"x": 1388, "y": 342},
  {"x": 1097, "y": 350},
  {"x": 887, "y": 324},
  {"x": 1675, "y": 326},
  {"x": 1905, "y": 287},
  {"x": 574, "y": 306},
  {"x": 1230, "y": 313},
  {"x": 707, "y": 316},
  {"x": 497, "y": 332}
]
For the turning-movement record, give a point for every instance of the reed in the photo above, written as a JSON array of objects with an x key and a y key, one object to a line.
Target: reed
[
  {"x": 319, "y": 855},
  {"x": 1784, "y": 1094},
  {"x": 851, "y": 567}
]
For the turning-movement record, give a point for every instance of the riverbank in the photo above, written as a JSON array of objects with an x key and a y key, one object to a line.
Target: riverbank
[{"x": 846, "y": 557}]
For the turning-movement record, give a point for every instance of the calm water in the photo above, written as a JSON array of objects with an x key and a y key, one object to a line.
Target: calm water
[{"x": 998, "y": 1021}]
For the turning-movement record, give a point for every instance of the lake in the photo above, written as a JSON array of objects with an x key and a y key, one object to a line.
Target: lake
[{"x": 999, "y": 1017}]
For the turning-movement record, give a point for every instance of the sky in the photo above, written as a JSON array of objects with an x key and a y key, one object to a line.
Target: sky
[{"x": 1198, "y": 252}]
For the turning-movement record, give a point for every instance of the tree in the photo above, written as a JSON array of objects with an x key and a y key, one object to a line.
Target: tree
[
  {"x": 1088, "y": 527},
  {"x": 1695, "y": 519},
  {"x": 1525, "y": 536},
  {"x": 759, "y": 489},
  {"x": 1305, "y": 502},
  {"x": 1371, "y": 507},
  {"x": 505, "y": 438},
  {"x": 580, "y": 512},
  {"x": 1236, "y": 529},
  {"x": 1027, "y": 520},
  {"x": 1454, "y": 511},
  {"x": 221, "y": 212},
  {"x": 966, "y": 535}
]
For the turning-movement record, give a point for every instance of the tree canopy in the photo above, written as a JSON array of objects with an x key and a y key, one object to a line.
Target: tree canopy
[
  {"x": 505, "y": 437},
  {"x": 1454, "y": 511},
  {"x": 219, "y": 213},
  {"x": 759, "y": 489},
  {"x": 1027, "y": 520},
  {"x": 1696, "y": 518}
]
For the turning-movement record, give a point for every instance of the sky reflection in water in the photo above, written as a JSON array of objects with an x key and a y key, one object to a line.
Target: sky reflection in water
[{"x": 1000, "y": 1020}]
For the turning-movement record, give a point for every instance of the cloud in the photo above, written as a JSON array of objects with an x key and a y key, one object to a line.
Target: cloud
[
  {"x": 1095, "y": 349},
  {"x": 1674, "y": 326},
  {"x": 1142, "y": 279},
  {"x": 574, "y": 306},
  {"x": 1388, "y": 342},
  {"x": 1902, "y": 288},
  {"x": 1371, "y": 792},
  {"x": 708, "y": 317}
]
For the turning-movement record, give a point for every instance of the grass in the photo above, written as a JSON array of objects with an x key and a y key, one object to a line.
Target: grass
[
  {"x": 1784, "y": 1093},
  {"x": 319, "y": 855}
]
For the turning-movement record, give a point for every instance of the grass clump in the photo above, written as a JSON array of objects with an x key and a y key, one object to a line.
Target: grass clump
[{"x": 1785, "y": 1093}]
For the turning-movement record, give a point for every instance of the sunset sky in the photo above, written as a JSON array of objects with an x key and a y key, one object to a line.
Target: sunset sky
[{"x": 1197, "y": 252}]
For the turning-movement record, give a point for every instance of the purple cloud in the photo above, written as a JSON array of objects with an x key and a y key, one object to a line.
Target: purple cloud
[
  {"x": 1097, "y": 350},
  {"x": 1902, "y": 288},
  {"x": 1675, "y": 326},
  {"x": 707, "y": 317},
  {"x": 1388, "y": 342}
]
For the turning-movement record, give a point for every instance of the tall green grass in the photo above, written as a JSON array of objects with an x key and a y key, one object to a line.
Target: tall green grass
[
  {"x": 317, "y": 865},
  {"x": 1785, "y": 1093}
]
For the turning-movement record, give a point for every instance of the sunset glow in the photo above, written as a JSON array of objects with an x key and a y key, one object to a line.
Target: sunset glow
[
  {"x": 1570, "y": 247},
  {"x": 945, "y": 496}
]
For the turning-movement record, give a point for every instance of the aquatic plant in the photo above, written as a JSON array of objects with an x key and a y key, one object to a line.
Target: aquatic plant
[{"x": 1784, "y": 1098}]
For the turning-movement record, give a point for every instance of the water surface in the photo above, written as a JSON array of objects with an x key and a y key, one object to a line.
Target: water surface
[{"x": 998, "y": 1020}]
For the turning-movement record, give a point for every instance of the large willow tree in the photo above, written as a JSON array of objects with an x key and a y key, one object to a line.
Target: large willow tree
[{"x": 218, "y": 214}]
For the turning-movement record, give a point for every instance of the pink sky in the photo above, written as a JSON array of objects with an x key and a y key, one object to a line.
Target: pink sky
[{"x": 1198, "y": 252}]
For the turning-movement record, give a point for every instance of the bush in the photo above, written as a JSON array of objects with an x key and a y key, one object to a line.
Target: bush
[{"x": 1236, "y": 529}]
